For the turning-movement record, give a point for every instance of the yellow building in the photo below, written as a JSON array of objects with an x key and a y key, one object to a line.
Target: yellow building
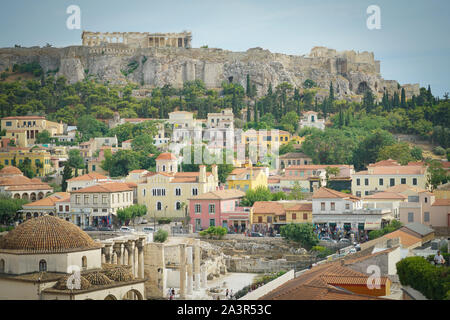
[
  {"x": 24, "y": 129},
  {"x": 299, "y": 213},
  {"x": 40, "y": 159},
  {"x": 166, "y": 192},
  {"x": 247, "y": 178},
  {"x": 388, "y": 173},
  {"x": 266, "y": 138}
]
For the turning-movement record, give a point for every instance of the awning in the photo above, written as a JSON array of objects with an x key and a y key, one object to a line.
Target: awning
[{"x": 372, "y": 224}]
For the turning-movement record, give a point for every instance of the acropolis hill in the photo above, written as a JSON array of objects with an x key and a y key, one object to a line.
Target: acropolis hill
[{"x": 158, "y": 59}]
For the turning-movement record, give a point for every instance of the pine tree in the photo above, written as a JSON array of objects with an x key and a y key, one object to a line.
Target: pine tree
[
  {"x": 249, "y": 87},
  {"x": 331, "y": 96},
  {"x": 248, "y": 113}
]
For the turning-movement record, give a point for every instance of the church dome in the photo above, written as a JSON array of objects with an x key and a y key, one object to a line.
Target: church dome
[
  {"x": 10, "y": 171},
  {"x": 47, "y": 234}
]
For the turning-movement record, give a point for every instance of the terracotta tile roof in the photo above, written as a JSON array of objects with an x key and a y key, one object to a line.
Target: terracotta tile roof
[
  {"x": 47, "y": 234},
  {"x": 89, "y": 176},
  {"x": 385, "y": 163},
  {"x": 131, "y": 184},
  {"x": 166, "y": 156},
  {"x": 49, "y": 201},
  {"x": 406, "y": 239},
  {"x": 387, "y": 195},
  {"x": 337, "y": 280},
  {"x": 404, "y": 187},
  {"x": 220, "y": 195},
  {"x": 300, "y": 207},
  {"x": 294, "y": 155},
  {"x": 413, "y": 170},
  {"x": 324, "y": 193},
  {"x": 10, "y": 170},
  {"x": 105, "y": 188},
  {"x": 23, "y": 118},
  {"x": 268, "y": 207},
  {"x": 318, "y": 166},
  {"x": 441, "y": 202},
  {"x": 317, "y": 284},
  {"x": 138, "y": 171}
]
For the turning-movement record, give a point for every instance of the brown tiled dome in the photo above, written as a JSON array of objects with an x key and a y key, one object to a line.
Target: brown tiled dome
[
  {"x": 47, "y": 234},
  {"x": 10, "y": 171},
  {"x": 62, "y": 283}
]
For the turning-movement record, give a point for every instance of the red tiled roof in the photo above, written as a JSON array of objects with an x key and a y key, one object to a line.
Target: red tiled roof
[
  {"x": 105, "y": 188},
  {"x": 166, "y": 156},
  {"x": 324, "y": 193},
  {"x": 441, "y": 202},
  {"x": 268, "y": 207},
  {"x": 89, "y": 176}
]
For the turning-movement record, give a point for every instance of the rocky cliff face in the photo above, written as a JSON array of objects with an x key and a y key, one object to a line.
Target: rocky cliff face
[{"x": 349, "y": 71}]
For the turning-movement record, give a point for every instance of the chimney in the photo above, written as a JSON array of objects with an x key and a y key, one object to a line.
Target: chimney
[
  {"x": 202, "y": 177},
  {"x": 215, "y": 172}
]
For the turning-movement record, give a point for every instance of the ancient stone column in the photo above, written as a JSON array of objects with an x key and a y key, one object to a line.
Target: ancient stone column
[
  {"x": 118, "y": 249},
  {"x": 130, "y": 251},
  {"x": 204, "y": 276},
  {"x": 182, "y": 271},
  {"x": 140, "y": 246},
  {"x": 197, "y": 258},
  {"x": 189, "y": 270},
  {"x": 108, "y": 252}
]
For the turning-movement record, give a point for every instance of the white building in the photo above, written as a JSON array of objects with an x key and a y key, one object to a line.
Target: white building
[
  {"x": 39, "y": 257},
  {"x": 310, "y": 119},
  {"x": 86, "y": 180},
  {"x": 336, "y": 209}
]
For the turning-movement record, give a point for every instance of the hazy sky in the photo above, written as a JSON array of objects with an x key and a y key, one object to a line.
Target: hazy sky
[{"x": 413, "y": 43}]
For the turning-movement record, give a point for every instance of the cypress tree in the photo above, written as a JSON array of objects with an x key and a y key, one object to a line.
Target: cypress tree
[{"x": 403, "y": 99}]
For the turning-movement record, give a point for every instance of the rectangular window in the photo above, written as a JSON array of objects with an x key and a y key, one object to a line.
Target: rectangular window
[
  {"x": 60, "y": 208},
  {"x": 392, "y": 182},
  {"x": 294, "y": 216},
  {"x": 77, "y": 199},
  {"x": 403, "y": 181},
  {"x": 212, "y": 222},
  {"x": 410, "y": 216},
  {"x": 104, "y": 199},
  {"x": 260, "y": 219},
  {"x": 198, "y": 208},
  {"x": 347, "y": 206},
  {"x": 426, "y": 217},
  {"x": 333, "y": 206},
  {"x": 366, "y": 182},
  {"x": 95, "y": 199},
  {"x": 366, "y": 193},
  {"x": 8, "y": 123},
  {"x": 322, "y": 206},
  {"x": 358, "y": 182},
  {"x": 381, "y": 182},
  {"x": 426, "y": 200},
  {"x": 358, "y": 193},
  {"x": 67, "y": 208},
  {"x": 305, "y": 216},
  {"x": 86, "y": 199},
  {"x": 194, "y": 191},
  {"x": 414, "y": 181},
  {"x": 212, "y": 208}
]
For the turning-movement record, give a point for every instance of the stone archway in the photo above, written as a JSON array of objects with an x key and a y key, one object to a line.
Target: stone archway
[
  {"x": 48, "y": 193},
  {"x": 110, "y": 297},
  {"x": 35, "y": 215},
  {"x": 133, "y": 294},
  {"x": 25, "y": 196},
  {"x": 40, "y": 195},
  {"x": 17, "y": 196},
  {"x": 33, "y": 196}
]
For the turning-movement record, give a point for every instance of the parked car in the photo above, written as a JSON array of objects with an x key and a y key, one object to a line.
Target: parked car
[
  {"x": 105, "y": 229},
  {"x": 345, "y": 240},
  {"x": 328, "y": 239},
  {"x": 126, "y": 229},
  {"x": 144, "y": 221},
  {"x": 278, "y": 235},
  {"x": 148, "y": 229},
  {"x": 256, "y": 234},
  {"x": 89, "y": 229}
]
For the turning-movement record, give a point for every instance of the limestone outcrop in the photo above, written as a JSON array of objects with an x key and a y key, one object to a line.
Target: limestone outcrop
[{"x": 118, "y": 63}]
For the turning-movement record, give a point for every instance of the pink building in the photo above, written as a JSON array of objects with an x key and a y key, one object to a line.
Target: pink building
[
  {"x": 219, "y": 208},
  {"x": 424, "y": 208}
]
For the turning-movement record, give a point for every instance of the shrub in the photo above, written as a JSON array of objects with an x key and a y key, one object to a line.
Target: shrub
[
  {"x": 321, "y": 252},
  {"x": 432, "y": 281},
  {"x": 214, "y": 232},
  {"x": 439, "y": 151},
  {"x": 160, "y": 236},
  {"x": 391, "y": 227},
  {"x": 164, "y": 221}
]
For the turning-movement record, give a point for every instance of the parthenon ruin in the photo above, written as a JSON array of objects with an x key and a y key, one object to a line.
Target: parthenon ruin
[{"x": 138, "y": 39}]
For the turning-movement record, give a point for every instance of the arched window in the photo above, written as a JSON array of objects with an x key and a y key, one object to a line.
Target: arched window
[
  {"x": 178, "y": 205},
  {"x": 2, "y": 265},
  {"x": 42, "y": 266},
  {"x": 158, "y": 206},
  {"x": 84, "y": 262}
]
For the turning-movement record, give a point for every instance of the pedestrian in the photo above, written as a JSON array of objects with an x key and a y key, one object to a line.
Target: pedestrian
[
  {"x": 173, "y": 292},
  {"x": 231, "y": 294},
  {"x": 439, "y": 259},
  {"x": 226, "y": 293}
]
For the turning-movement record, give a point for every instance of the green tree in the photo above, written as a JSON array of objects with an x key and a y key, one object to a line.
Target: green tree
[
  {"x": 26, "y": 168},
  {"x": 9, "y": 208},
  {"x": 43, "y": 137},
  {"x": 302, "y": 233},
  {"x": 160, "y": 236},
  {"x": 75, "y": 161},
  {"x": 261, "y": 193},
  {"x": 67, "y": 174},
  {"x": 296, "y": 192}
]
